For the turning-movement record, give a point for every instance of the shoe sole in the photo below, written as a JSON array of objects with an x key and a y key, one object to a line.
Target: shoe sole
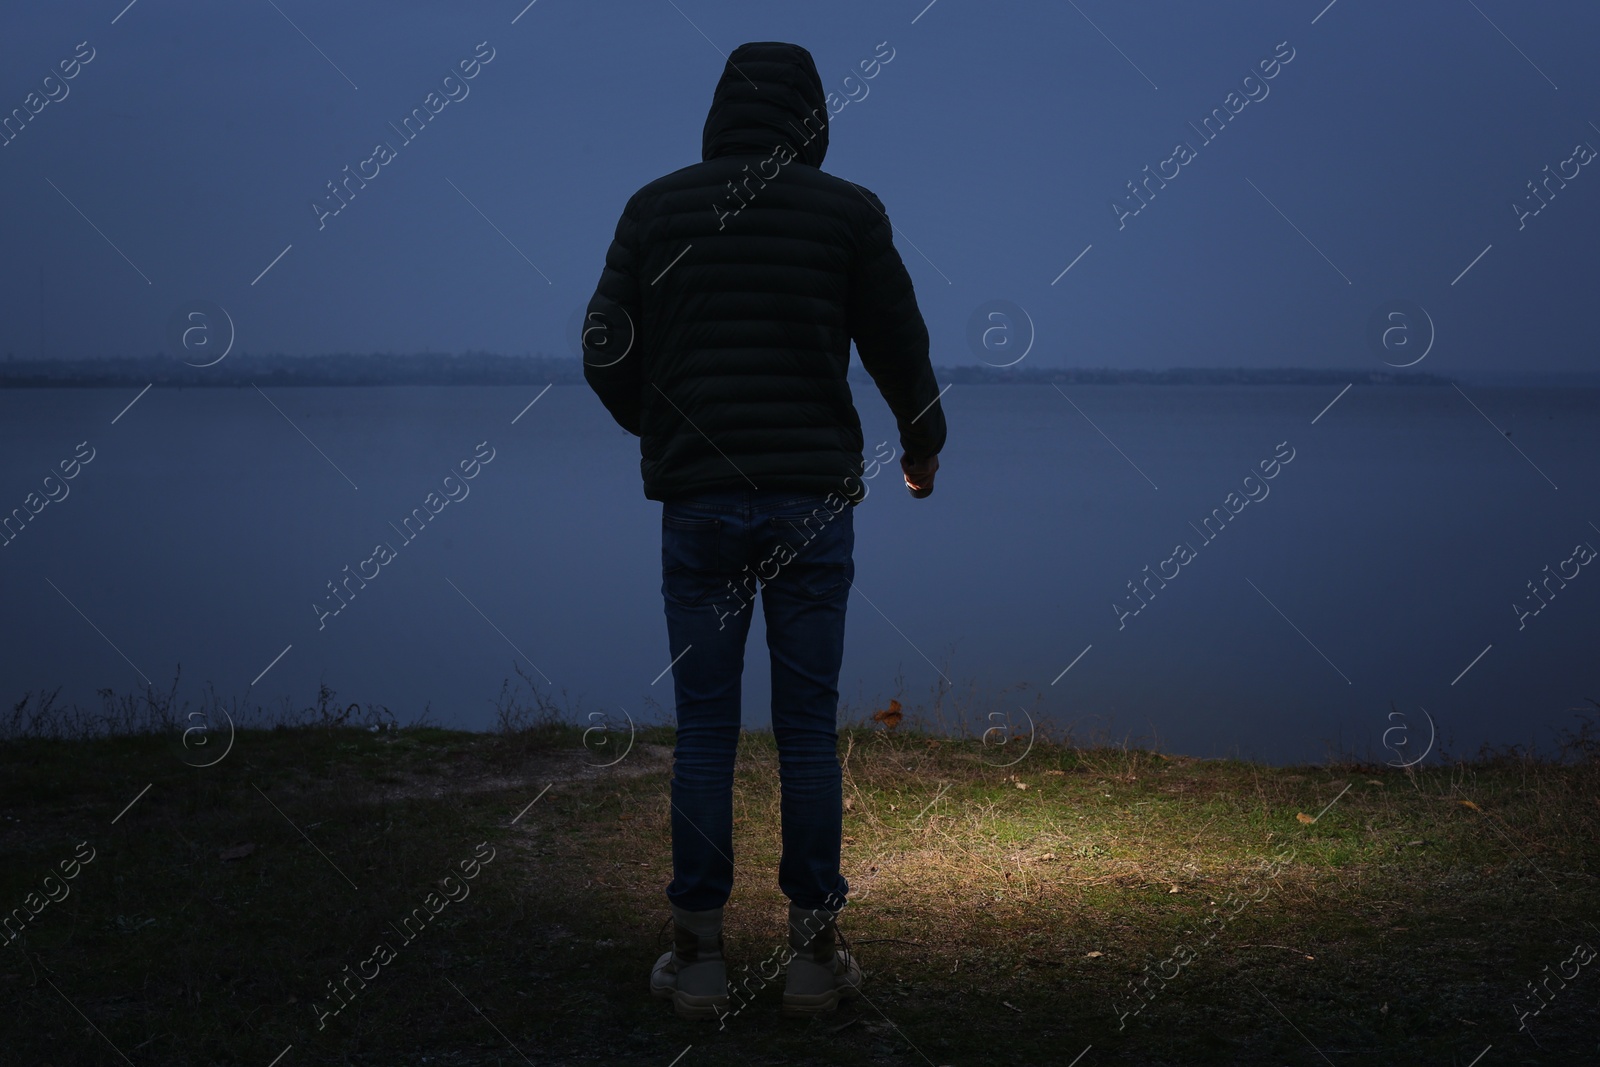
[
  {"x": 800, "y": 1005},
  {"x": 689, "y": 1006}
]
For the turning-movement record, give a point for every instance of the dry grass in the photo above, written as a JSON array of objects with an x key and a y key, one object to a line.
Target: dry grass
[{"x": 1003, "y": 913}]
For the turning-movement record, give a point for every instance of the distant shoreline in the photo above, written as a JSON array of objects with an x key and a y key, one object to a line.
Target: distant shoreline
[{"x": 381, "y": 369}]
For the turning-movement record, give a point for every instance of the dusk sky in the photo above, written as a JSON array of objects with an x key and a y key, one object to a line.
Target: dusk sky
[{"x": 1374, "y": 165}]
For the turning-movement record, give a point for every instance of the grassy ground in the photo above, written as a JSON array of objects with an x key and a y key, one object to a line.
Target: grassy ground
[{"x": 1149, "y": 909}]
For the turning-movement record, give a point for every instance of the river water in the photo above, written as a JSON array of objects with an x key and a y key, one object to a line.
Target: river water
[{"x": 1378, "y": 581}]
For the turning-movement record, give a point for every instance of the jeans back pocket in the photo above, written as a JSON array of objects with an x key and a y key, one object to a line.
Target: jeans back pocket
[
  {"x": 812, "y": 552},
  {"x": 691, "y": 557}
]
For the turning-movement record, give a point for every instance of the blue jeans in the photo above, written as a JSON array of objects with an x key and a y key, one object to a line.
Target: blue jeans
[{"x": 717, "y": 550}]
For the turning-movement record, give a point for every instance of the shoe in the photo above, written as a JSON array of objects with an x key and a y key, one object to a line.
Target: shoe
[
  {"x": 692, "y": 974},
  {"x": 822, "y": 970}
]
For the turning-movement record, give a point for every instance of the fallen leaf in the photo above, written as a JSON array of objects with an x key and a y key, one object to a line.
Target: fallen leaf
[
  {"x": 1373, "y": 781},
  {"x": 1054, "y": 771},
  {"x": 1093, "y": 955},
  {"x": 1022, "y": 785},
  {"x": 849, "y": 840},
  {"x": 1174, "y": 889},
  {"x": 1471, "y": 805},
  {"x": 1047, "y": 856},
  {"x": 1416, "y": 842},
  {"x": 1303, "y": 817},
  {"x": 237, "y": 852},
  {"x": 889, "y": 716},
  {"x": 849, "y": 802}
]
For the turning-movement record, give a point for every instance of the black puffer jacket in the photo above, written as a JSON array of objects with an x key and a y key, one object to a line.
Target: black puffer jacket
[{"x": 720, "y": 331}]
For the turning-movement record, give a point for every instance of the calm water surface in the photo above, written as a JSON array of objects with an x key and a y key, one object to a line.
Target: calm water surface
[{"x": 1393, "y": 552}]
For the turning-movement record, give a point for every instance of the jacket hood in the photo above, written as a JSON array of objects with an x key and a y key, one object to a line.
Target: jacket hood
[{"x": 769, "y": 94}]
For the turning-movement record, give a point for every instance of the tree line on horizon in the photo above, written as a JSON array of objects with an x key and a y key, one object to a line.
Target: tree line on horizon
[{"x": 490, "y": 368}]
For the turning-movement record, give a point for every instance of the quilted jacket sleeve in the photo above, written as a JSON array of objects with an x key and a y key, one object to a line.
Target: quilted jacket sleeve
[
  {"x": 610, "y": 328},
  {"x": 891, "y": 337}
]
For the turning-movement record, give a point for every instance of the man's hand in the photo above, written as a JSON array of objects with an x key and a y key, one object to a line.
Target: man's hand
[{"x": 919, "y": 474}]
